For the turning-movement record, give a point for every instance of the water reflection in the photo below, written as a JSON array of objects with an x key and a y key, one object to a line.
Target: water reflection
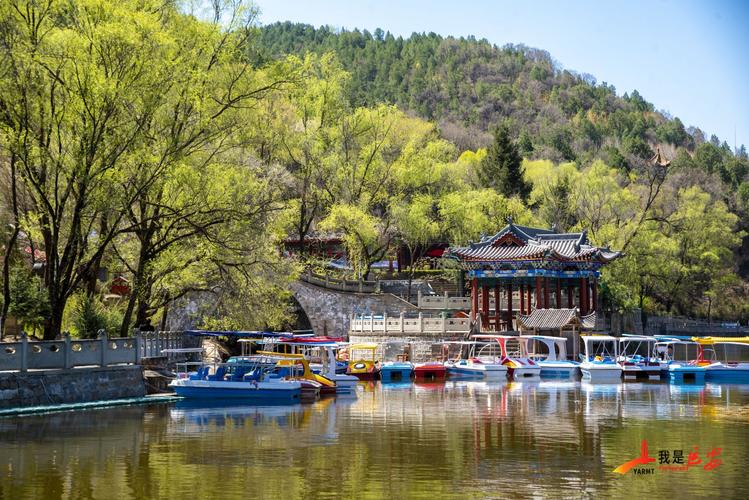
[{"x": 455, "y": 439}]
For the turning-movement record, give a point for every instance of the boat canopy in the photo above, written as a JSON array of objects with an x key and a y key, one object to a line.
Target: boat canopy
[
  {"x": 721, "y": 340},
  {"x": 557, "y": 346},
  {"x": 598, "y": 338},
  {"x": 363, "y": 346}
]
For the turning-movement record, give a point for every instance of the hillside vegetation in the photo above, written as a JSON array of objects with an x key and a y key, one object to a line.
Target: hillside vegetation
[{"x": 171, "y": 154}]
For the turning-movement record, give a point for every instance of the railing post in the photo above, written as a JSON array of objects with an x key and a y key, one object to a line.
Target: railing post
[
  {"x": 421, "y": 322},
  {"x": 24, "y": 352},
  {"x": 444, "y": 321},
  {"x": 385, "y": 321},
  {"x": 361, "y": 285},
  {"x": 447, "y": 300},
  {"x": 138, "y": 344},
  {"x": 67, "y": 352},
  {"x": 371, "y": 321},
  {"x": 418, "y": 297},
  {"x": 102, "y": 337},
  {"x": 402, "y": 320}
]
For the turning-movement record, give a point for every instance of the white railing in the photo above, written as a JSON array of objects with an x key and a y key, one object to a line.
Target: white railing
[
  {"x": 67, "y": 353},
  {"x": 341, "y": 285},
  {"x": 401, "y": 324},
  {"x": 464, "y": 303}
]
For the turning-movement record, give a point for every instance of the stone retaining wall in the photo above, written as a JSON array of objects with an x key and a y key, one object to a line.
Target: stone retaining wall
[{"x": 77, "y": 385}]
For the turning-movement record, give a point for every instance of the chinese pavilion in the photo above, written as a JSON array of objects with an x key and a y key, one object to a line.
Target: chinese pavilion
[{"x": 527, "y": 269}]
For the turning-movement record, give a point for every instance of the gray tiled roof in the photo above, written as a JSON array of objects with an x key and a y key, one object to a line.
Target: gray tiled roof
[
  {"x": 553, "y": 319},
  {"x": 532, "y": 244}
]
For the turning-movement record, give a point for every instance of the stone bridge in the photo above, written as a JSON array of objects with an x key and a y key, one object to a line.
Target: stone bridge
[{"x": 329, "y": 311}]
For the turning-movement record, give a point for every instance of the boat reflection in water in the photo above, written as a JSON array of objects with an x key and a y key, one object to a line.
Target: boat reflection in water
[{"x": 539, "y": 439}]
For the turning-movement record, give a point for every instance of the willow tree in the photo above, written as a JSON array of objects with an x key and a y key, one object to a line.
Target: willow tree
[
  {"x": 196, "y": 178},
  {"x": 76, "y": 93}
]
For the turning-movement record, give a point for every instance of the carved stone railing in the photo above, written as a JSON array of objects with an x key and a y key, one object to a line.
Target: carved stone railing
[
  {"x": 341, "y": 285},
  {"x": 438, "y": 302},
  {"x": 402, "y": 324},
  {"x": 25, "y": 354}
]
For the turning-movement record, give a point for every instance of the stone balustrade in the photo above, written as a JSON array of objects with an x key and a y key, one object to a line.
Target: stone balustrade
[
  {"x": 445, "y": 302},
  {"x": 331, "y": 283},
  {"x": 25, "y": 354},
  {"x": 401, "y": 324}
]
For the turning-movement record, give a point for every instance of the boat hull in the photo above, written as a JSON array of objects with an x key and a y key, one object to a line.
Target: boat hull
[
  {"x": 519, "y": 373},
  {"x": 396, "y": 372},
  {"x": 344, "y": 383},
  {"x": 685, "y": 374},
  {"x": 478, "y": 371},
  {"x": 430, "y": 371},
  {"x": 559, "y": 369},
  {"x": 601, "y": 372},
  {"x": 641, "y": 372},
  {"x": 260, "y": 391},
  {"x": 733, "y": 373}
]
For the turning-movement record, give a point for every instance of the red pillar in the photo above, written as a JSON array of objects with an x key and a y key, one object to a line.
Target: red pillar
[
  {"x": 509, "y": 306},
  {"x": 484, "y": 306},
  {"x": 497, "y": 306},
  {"x": 474, "y": 298},
  {"x": 546, "y": 293},
  {"x": 559, "y": 294},
  {"x": 570, "y": 296},
  {"x": 539, "y": 304},
  {"x": 522, "y": 299},
  {"x": 528, "y": 306},
  {"x": 583, "y": 296},
  {"x": 594, "y": 289}
]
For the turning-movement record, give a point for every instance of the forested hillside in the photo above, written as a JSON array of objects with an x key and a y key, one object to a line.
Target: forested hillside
[
  {"x": 135, "y": 176},
  {"x": 468, "y": 87}
]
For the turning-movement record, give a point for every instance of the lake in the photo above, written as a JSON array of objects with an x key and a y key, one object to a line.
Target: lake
[{"x": 438, "y": 440}]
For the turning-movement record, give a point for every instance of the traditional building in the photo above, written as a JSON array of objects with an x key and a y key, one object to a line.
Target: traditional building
[{"x": 524, "y": 269}]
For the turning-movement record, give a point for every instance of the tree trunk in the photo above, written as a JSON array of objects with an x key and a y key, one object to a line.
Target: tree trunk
[
  {"x": 11, "y": 244},
  {"x": 6, "y": 278}
]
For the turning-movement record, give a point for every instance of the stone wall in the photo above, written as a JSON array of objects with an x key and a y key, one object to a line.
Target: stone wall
[
  {"x": 77, "y": 385},
  {"x": 329, "y": 311}
]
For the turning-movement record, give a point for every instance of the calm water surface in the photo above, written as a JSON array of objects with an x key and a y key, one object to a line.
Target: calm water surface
[{"x": 453, "y": 440}]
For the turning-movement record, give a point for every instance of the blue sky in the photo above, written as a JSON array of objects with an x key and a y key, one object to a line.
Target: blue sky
[{"x": 689, "y": 58}]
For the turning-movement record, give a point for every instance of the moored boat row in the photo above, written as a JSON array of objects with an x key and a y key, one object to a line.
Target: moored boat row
[{"x": 291, "y": 368}]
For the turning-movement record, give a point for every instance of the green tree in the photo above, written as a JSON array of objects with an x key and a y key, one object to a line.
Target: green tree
[
  {"x": 28, "y": 301},
  {"x": 501, "y": 168}
]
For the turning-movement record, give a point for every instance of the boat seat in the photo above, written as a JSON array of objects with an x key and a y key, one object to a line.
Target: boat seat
[
  {"x": 253, "y": 375},
  {"x": 200, "y": 374},
  {"x": 219, "y": 375},
  {"x": 238, "y": 374}
]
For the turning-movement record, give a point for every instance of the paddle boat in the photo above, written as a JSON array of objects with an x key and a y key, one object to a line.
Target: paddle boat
[
  {"x": 430, "y": 370},
  {"x": 599, "y": 359},
  {"x": 513, "y": 355},
  {"x": 636, "y": 355},
  {"x": 735, "y": 354},
  {"x": 324, "y": 352},
  {"x": 297, "y": 366},
  {"x": 396, "y": 371},
  {"x": 553, "y": 358},
  {"x": 251, "y": 380},
  {"x": 362, "y": 363},
  {"x": 473, "y": 366},
  {"x": 401, "y": 368},
  {"x": 680, "y": 366}
]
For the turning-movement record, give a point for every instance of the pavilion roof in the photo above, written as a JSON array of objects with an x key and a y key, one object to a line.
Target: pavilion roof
[
  {"x": 521, "y": 243},
  {"x": 554, "y": 319}
]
